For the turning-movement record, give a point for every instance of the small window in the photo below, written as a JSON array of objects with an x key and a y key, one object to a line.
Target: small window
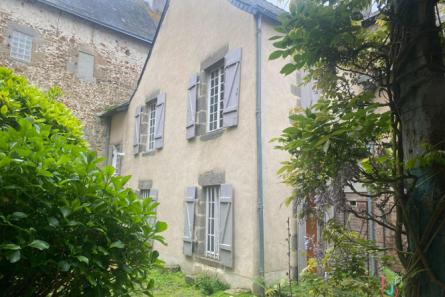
[
  {"x": 21, "y": 46},
  {"x": 151, "y": 123},
  {"x": 145, "y": 193},
  {"x": 85, "y": 66},
  {"x": 215, "y": 98},
  {"x": 116, "y": 157},
  {"x": 212, "y": 214}
]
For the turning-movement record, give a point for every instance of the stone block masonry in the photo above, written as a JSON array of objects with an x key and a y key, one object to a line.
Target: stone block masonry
[{"x": 57, "y": 40}]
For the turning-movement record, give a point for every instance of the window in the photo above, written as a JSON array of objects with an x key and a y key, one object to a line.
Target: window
[
  {"x": 85, "y": 66},
  {"x": 145, "y": 193},
  {"x": 116, "y": 157},
  {"x": 21, "y": 46},
  {"x": 212, "y": 214},
  {"x": 216, "y": 98},
  {"x": 151, "y": 124}
]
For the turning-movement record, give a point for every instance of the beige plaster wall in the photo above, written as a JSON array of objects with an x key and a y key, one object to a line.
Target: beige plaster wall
[
  {"x": 183, "y": 43},
  {"x": 58, "y": 37},
  {"x": 118, "y": 128},
  {"x": 277, "y": 101}
]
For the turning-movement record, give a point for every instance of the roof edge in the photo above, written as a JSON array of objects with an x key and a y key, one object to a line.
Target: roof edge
[
  {"x": 69, "y": 11},
  {"x": 158, "y": 28},
  {"x": 255, "y": 9},
  {"x": 115, "y": 109}
]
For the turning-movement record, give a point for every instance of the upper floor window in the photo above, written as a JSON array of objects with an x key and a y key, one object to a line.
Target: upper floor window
[
  {"x": 151, "y": 124},
  {"x": 215, "y": 98},
  {"x": 85, "y": 66},
  {"x": 21, "y": 46}
]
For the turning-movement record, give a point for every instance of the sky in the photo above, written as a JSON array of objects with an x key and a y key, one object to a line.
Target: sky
[{"x": 280, "y": 3}]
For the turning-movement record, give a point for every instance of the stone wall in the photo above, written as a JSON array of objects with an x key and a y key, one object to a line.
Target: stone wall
[{"x": 57, "y": 40}]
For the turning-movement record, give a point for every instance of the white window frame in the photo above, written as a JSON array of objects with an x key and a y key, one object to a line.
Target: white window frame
[
  {"x": 116, "y": 156},
  {"x": 21, "y": 46},
  {"x": 212, "y": 194},
  {"x": 215, "y": 118},
  {"x": 151, "y": 124}
]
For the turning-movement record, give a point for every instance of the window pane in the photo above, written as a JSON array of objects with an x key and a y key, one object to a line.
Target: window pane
[
  {"x": 21, "y": 46},
  {"x": 216, "y": 99},
  {"x": 151, "y": 110},
  {"x": 212, "y": 203}
]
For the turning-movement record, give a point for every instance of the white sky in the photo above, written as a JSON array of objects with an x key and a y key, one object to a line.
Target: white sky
[{"x": 280, "y": 3}]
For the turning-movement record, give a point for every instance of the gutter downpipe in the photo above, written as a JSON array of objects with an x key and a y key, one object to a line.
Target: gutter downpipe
[{"x": 259, "y": 147}]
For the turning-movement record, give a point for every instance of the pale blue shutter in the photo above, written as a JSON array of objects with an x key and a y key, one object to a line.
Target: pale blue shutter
[
  {"x": 226, "y": 225},
  {"x": 309, "y": 95},
  {"x": 232, "y": 78},
  {"x": 159, "y": 122},
  {"x": 137, "y": 129},
  {"x": 192, "y": 94},
  {"x": 189, "y": 220}
]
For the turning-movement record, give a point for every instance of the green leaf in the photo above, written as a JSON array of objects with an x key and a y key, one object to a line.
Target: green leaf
[
  {"x": 161, "y": 226},
  {"x": 53, "y": 222},
  {"x": 39, "y": 244},
  {"x": 10, "y": 246},
  {"x": 117, "y": 244},
  {"x": 63, "y": 266},
  {"x": 275, "y": 55},
  {"x": 14, "y": 257},
  {"x": 65, "y": 211},
  {"x": 4, "y": 109},
  {"x": 288, "y": 69},
  {"x": 83, "y": 259},
  {"x": 18, "y": 215}
]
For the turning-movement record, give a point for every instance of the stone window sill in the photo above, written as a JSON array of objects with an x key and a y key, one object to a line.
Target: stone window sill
[
  {"x": 212, "y": 135},
  {"x": 149, "y": 153}
]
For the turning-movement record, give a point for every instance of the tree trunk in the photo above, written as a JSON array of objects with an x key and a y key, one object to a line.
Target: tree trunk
[{"x": 419, "y": 89}]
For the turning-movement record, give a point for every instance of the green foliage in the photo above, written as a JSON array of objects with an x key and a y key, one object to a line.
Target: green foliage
[
  {"x": 344, "y": 266},
  {"x": 210, "y": 284},
  {"x": 20, "y": 100},
  {"x": 68, "y": 227}
]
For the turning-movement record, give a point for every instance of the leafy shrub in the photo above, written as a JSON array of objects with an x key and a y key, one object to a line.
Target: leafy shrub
[
  {"x": 210, "y": 284},
  {"x": 343, "y": 270},
  {"x": 67, "y": 227}
]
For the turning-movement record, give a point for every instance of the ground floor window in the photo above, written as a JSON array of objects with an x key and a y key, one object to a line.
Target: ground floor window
[{"x": 212, "y": 214}]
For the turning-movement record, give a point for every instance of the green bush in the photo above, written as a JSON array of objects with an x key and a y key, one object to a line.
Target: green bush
[
  {"x": 67, "y": 227},
  {"x": 210, "y": 284},
  {"x": 342, "y": 272}
]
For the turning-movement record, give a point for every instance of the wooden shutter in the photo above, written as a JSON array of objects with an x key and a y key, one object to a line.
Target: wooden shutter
[
  {"x": 137, "y": 129},
  {"x": 226, "y": 225},
  {"x": 160, "y": 119},
  {"x": 189, "y": 220},
  {"x": 309, "y": 95},
  {"x": 192, "y": 94},
  {"x": 232, "y": 87}
]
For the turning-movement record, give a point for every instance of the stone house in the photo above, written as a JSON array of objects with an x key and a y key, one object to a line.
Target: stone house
[
  {"x": 94, "y": 50},
  {"x": 196, "y": 137}
]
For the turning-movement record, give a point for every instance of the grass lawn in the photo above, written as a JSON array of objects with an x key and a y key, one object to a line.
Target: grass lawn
[{"x": 172, "y": 284}]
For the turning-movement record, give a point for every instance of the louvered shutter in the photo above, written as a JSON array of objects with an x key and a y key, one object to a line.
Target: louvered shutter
[
  {"x": 232, "y": 78},
  {"x": 160, "y": 119},
  {"x": 226, "y": 225},
  {"x": 189, "y": 220},
  {"x": 192, "y": 94},
  {"x": 137, "y": 129},
  {"x": 309, "y": 96}
]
